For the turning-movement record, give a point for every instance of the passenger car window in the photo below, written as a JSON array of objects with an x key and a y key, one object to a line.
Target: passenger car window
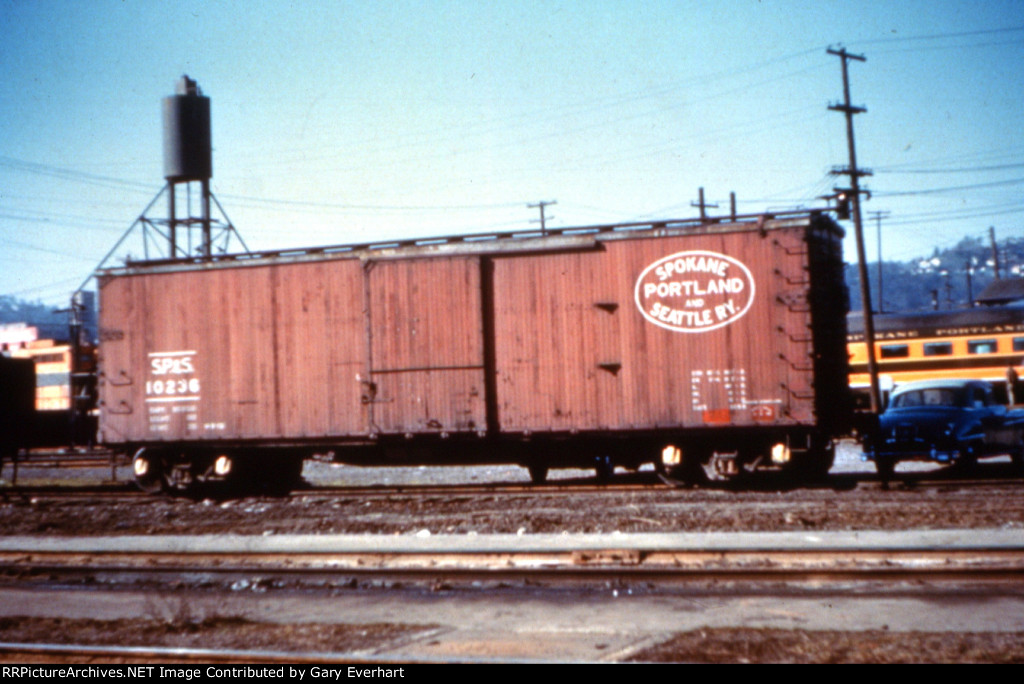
[
  {"x": 981, "y": 347},
  {"x": 938, "y": 348},
  {"x": 894, "y": 351}
]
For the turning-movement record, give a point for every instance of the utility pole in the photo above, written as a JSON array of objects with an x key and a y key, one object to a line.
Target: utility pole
[
  {"x": 878, "y": 216},
  {"x": 703, "y": 205},
  {"x": 855, "y": 174},
  {"x": 969, "y": 268},
  {"x": 995, "y": 250},
  {"x": 543, "y": 221}
]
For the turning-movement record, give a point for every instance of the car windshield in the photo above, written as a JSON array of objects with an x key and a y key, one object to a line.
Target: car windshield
[{"x": 932, "y": 396}]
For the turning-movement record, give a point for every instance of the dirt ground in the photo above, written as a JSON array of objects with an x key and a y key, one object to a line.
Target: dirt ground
[
  {"x": 209, "y": 633},
  {"x": 712, "y": 645},
  {"x": 831, "y": 647}
]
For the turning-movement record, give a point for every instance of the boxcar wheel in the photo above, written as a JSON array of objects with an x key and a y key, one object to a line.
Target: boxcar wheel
[
  {"x": 691, "y": 475},
  {"x": 538, "y": 473},
  {"x": 603, "y": 468},
  {"x": 681, "y": 466},
  {"x": 283, "y": 475},
  {"x": 148, "y": 469},
  {"x": 814, "y": 464}
]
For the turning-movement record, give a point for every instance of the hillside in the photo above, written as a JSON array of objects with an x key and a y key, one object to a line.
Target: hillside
[
  {"x": 51, "y": 324},
  {"x": 949, "y": 278}
]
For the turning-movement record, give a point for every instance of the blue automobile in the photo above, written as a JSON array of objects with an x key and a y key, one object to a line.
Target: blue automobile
[{"x": 954, "y": 422}]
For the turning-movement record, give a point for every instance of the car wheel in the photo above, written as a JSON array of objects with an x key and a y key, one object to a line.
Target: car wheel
[
  {"x": 1017, "y": 459},
  {"x": 603, "y": 469},
  {"x": 886, "y": 467},
  {"x": 967, "y": 461}
]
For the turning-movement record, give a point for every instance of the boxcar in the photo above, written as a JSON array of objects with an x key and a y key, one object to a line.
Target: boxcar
[
  {"x": 17, "y": 406},
  {"x": 684, "y": 344}
]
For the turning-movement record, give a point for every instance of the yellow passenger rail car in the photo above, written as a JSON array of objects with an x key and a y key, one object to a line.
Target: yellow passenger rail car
[{"x": 981, "y": 343}]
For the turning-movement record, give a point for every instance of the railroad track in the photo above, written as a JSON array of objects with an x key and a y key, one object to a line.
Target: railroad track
[
  {"x": 945, "y": 565},
  {"x": 156, "y": 655},
  {"x": 555, "y": 560},
  {"x": 126, "y": 491}
]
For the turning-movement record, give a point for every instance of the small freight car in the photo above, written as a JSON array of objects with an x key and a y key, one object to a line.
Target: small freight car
[
  {"x": 697, "y": 346},
  {"x": 17, "y": 406}
]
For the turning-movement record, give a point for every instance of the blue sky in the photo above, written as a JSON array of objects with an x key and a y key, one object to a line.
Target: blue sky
[{"x": 352, "y": 121}]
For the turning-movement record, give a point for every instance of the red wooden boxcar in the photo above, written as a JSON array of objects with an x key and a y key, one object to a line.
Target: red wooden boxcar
[{"x": 680, "y": 343}]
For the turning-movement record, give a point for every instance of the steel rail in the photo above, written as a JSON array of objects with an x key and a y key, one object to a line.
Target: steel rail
[
  {"x": 128, "y": 491},
  {"x": 173, "y": 655},
  {"x": 1003, "y": 565},
  {"x": 125, "y": 492},
  {"x": 840, "y": 481}
]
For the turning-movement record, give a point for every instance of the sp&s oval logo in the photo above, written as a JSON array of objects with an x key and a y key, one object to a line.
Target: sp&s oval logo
[{"x": 694, "y": 292}]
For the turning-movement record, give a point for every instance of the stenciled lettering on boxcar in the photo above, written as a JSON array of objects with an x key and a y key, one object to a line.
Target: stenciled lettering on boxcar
[
  {"x": 694, "y": 292},
  {"x": 732, "y": 384},
  {"x": 172, "y": 390}
]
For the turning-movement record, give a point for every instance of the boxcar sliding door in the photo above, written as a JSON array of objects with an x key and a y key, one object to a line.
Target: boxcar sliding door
[{"x": 426, "y": 365}]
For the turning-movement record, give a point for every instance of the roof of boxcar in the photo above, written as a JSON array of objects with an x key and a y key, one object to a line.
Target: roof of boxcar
[{"x": 514, "y": 242}]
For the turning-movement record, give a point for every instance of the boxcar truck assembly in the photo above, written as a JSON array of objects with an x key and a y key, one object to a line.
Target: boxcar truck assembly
[{"x": 698, "y": 346}]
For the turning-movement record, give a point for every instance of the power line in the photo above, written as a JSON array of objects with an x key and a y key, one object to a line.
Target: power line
[
  {"x": 24, "y": 245},
  {"x": 368, "y": 207},
  {"x": 962, "y": 169},
  {"x": 940, "y": 217},
  {"x": 937, "y": 36},
  {"x": 574, "y": 110},
  {"x": 954, "y": 188},
  {"x": 989, "y": 156},
  {"x": 70, "y": 174}
]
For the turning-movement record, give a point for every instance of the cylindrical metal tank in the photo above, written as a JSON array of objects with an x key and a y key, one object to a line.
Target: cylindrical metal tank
[{"x": 188, "y": 152}]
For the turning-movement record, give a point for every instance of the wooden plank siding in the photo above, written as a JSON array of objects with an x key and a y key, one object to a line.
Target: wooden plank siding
[
  {"x": 585, "y": 337},
  {"x": 590, "y": 361},
  {"x": 427, "y": 361},
  {"x": 271, "y": 352}
]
